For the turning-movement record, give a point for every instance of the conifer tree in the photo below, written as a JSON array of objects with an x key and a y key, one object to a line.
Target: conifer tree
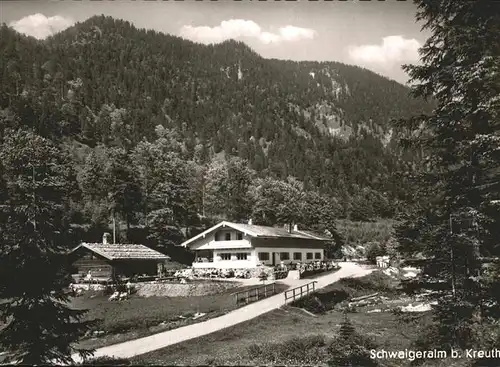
[
  {"x": 460, "y": 180},
  {"x": 40, "y": 327},
  {"x": 350, "y": 348},
  {"x": 347, "y": 330}
]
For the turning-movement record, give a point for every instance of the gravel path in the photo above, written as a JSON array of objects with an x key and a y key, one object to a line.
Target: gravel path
[{"x": 164, "y": 339}]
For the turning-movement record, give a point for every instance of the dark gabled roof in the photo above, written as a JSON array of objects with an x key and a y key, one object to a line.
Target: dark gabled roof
[
  {"x": 119, "y": 251},
  {"x": 316, "y": 236},
  {"x": 277, "y": 232},
  {"x": 262, "y": 232}
]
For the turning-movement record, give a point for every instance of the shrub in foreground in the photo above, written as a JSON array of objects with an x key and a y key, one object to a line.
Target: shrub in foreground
[
  {"x": 106, "y": 361},
  {"x": 296, "y": 350},
  {"x": 347, "y": 349}
]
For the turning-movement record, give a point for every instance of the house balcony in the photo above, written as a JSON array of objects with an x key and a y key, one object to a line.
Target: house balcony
[{"x": 226, "y": 245}]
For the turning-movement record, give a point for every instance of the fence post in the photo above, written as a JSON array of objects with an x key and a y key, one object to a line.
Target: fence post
[
  {"x": 247, "y": 296},
  {"x": 265, "y": 290},
  {"x": 274, "y": 289},
  {"x": 294, "y": 293}
]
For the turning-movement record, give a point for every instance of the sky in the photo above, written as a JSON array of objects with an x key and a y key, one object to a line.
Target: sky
[{"x": 377, "y": 35}]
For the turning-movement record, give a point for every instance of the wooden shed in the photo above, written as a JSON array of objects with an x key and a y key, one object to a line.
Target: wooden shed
[{"x": 108, "y": 260}]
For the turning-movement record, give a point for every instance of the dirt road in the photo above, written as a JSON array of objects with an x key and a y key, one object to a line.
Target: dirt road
[{"x": 161, "y": 340}]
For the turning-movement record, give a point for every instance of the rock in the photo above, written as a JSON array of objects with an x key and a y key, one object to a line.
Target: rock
[
  {"x": 418, "y": 308},
  {"x": 114, "y": 296},
  {"x": 198, "y": 315}
]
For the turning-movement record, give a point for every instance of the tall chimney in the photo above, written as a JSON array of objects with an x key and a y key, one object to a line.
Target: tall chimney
[
  {"x": 105, "y": 238},
  {"x": 250, "y": 221}
]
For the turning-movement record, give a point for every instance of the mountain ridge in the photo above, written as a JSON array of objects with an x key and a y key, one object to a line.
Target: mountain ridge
[{"x": 103, "y": 81}]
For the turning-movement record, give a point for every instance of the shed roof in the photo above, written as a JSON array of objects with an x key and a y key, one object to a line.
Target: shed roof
[{"x": 119, "y": 251}]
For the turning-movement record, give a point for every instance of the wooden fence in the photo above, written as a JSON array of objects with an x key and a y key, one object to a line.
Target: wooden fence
[
  {"x": 297, "y": 292},
  {"x": 254, "y": 294}
]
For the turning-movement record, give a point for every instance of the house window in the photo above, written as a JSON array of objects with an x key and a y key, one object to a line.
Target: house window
[
  {"x": 297, "y": 255},
  {"x": 228, "y": 236},
  {"x": 309, "y": 256},
  {"x": 317, "y": 255},
  {"x": 285, "y": 256},
  {"x": 263, "y": 256},
  {"x": 239, "y": 236},
  {"x": 242, "y": 256},
  {"x": 225, "y": 256},
  {"x": 218, "y": 236}
]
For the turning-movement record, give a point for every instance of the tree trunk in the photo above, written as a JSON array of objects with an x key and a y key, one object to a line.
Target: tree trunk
[{"x": 114, "y": 228}]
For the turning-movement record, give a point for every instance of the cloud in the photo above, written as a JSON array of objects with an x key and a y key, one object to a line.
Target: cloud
[
  {"x": 393, "y": 50},
  {"x": 40, "y": 26},
  {"x": 238, "y": 28}
]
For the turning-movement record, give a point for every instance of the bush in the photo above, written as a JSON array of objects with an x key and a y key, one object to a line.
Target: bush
[
  {"x": 108, "y": 290},
  {"x": 296, "y": 350},
  {"x": 332, "y": 298},
  {"x": 263, "y": 276},
  {"x": 348, "y": 349},
  {"x": 107, "y": 361},
  {"x": 320, "y": 302},
  {"x": 120, "y": 287},
  {"x": 310, "y": 303},
  {"x": 374, "y": 249},
  {"x": 254, "y": 351},
  {"x": 373, "y": 282},
  {"x": 311, "y": 273},
  {"x": 349, "y": 354}
]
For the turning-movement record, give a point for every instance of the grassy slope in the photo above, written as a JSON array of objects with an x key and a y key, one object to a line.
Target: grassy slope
[
  {"x": 137, "y": 316},
  {"x": 273, "y": 332},
  {"x": 276, "y": 326}
]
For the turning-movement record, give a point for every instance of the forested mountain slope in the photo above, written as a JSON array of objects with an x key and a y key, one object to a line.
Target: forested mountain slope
[{"x": 103, "y": 86}]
